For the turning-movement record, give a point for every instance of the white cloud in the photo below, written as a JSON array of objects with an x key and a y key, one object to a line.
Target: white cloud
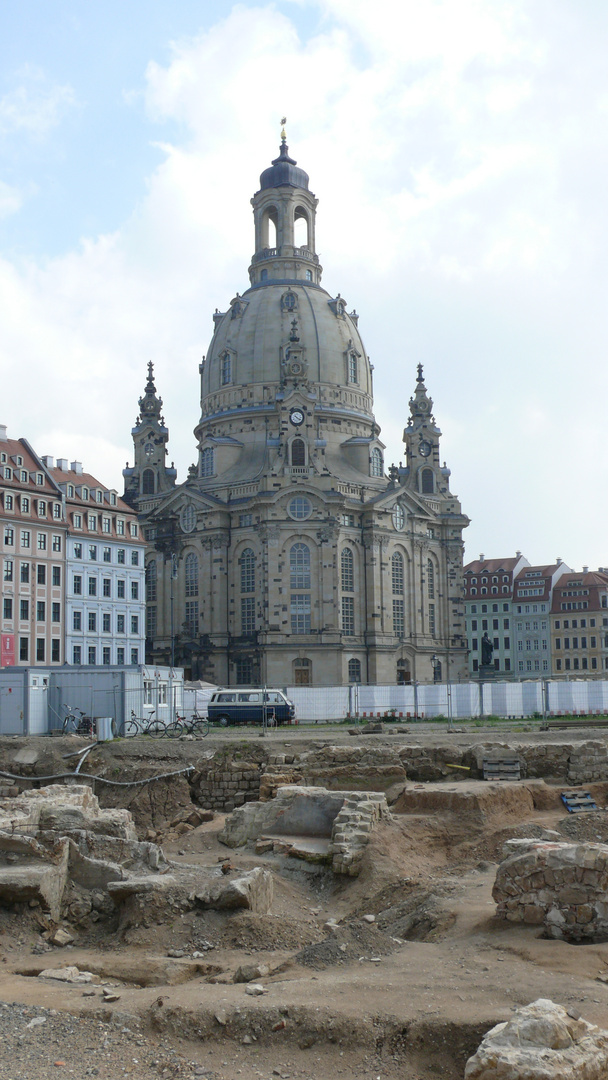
[
  {"x": 456, "y": 158},
  {"x": 34, "y": 106}
]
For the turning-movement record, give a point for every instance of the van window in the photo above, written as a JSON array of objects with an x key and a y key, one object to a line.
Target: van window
[
  {"x": 274, "y": 698},
  {"x": 226, "y": 697}
]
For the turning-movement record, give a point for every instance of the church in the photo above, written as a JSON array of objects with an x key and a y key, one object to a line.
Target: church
[{"x": 291, "y": 555}]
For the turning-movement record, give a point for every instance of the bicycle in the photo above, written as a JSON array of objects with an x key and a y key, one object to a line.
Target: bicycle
[
  {"x": 196, "y": 725},
  {"x": 81, "y": 724},
  {"x": 144, "y": 725}
]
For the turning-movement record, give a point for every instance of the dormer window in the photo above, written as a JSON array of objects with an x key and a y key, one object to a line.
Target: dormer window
[
  {"x": 100, "y": 496},
  {"x": 85, "y": 494},
  {"x": 18, "y": 460},
  {"x": 70, "y": 491},
  {"x": 112, "y": 498},
  {"x": 376, "y": 464},
  {"x": 309, "y": 275}
]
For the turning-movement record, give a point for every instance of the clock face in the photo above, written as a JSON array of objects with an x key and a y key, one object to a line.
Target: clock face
[
  {"x": 425, "y": 449},
  {"x": 149, "y": 449},
  {"x": 297, "y": 417}
]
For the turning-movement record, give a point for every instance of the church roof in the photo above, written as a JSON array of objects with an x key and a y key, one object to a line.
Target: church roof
[{"x": 283, "y": 171}]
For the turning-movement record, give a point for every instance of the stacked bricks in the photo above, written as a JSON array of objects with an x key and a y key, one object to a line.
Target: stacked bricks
[
  {"x": 352, "y": 828},
  {"x": 588, "y": 762},
  {"x": 561, "y": 886},
  {"x": 226, "y": 784}
]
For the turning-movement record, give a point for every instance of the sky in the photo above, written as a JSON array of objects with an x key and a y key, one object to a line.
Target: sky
[{"x": 459, "y": 151}]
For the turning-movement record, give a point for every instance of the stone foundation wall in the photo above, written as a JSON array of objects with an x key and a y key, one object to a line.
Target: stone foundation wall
[{"x": 561, "y": 886}]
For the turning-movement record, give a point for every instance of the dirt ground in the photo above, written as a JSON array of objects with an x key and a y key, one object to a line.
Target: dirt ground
[{"x": 409, "y": 994}]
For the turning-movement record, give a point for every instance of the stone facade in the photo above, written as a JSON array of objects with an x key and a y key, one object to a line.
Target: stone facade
[{"x": 289, "y": 556}]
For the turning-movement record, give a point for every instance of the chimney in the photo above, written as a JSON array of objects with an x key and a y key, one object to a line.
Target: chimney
[
  {"x": 48, "y": 461},
  {"x": 3, "y": 435},
  {"x": 585, "y": 569},
  {"x": 481, "y": 557},
  {"x": 518, "y": 554},
  {"x": 62, "y": 464},
  {"x": 558, "y": 561},
  {"x": 76, "y": 466}
]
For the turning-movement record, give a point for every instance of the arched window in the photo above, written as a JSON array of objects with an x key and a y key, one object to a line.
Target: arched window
[
  {"x": 298, "y": 452},
  {"x": 427, "y": 482},
  {"x": 353, "y": 374},
  {"x": 301, "y": 236},
  {"x": 191, "y": 574},
  {"x": 207, "y": 462},
  {"x": 376, "y": 462},
  {"x": 299, "y": 566},
  {"x": 308, "y": 275},
  {"x": 151, "y": 582},
  {"x": 430, "y": 579},
  {"x": 348, "y": 572},
  {"x": 147, "y": 482},
  {"x": 226, "y": 369},
  {"x": 354, "y": 671},
  {"x": 397, "y": 573},
  {"x": 247, "y": 561}
]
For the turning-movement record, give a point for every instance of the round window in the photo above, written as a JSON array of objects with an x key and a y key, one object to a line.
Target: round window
[
  {"x": 398, "y": 517},
  {"x": 188, "y": 518},
  {"x": 300, "y": 508}
]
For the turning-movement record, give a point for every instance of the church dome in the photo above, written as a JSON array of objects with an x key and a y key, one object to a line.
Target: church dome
[{"x": 283, "y": 171}]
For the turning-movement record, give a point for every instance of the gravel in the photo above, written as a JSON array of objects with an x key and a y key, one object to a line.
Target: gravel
[{"x": 36, "y": 1044}]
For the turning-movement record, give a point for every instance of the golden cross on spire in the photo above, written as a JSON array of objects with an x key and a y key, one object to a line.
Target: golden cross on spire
[{"x": 283, "y": 132}]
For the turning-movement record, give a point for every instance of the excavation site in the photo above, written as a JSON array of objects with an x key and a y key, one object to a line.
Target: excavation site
[{"x": 378, "y": 902}]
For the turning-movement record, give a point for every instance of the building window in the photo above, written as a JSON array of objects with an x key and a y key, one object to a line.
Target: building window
[
  {"x": 299, "y": 508},
  {"x": 298, "y": 452},
  {"x": 134, "y": 557},
  {"x": 8, "y": 569},
  {"x": 55, "y": 651},
  {"x": 354, "y": 670},
  {"x": 120, "y": 589},
  {"x": 7, "y": 608},
  {"x": 147, "y": 482},
  {"x": 207, "y": 463},
  {"x": 347, "y": 570},
  {"x": 8, "y": 502},
  {"x": 106, "y": 525},
  {"x": 57, "y": 511},
  {"x": 430, "y": 579},
  {"x": 106, "y": 623},
  {"x": 107, "y": 554},
  {"x": 120, "y": 527},
  {"x": 121, "y": 556},
  {"x": 55, "y": 612},
  {"x": 190, "y": 575},
  {"x": 151, "y": 582},
  {"x": 135, "y": 590},
  {"x": 41, "y": 508},
  {"x": 244, "y": 671},
  {"x": 24, "y": 648},
  {"x": 107, "y": 655},
  {"x": 300, "y": 612},
  {"x": 427, "y": 484},
  {"x": 226, "y": 369},
  {"x": 245, "y": 520},
  {"x": 56, "y": 542},
  {"x": 397, "y": 575},
  {"x": 40, "y": 650},
  {"x": 348, "y": 615},
  {"x": 247, "y": 614},
  {"x": 191, "y": 621},
  {"x": 92, "y": 655},
  {"x": 92, "y": 622},
  {"x": 432, "y": 625},
  {"x": 77, "y": 590},
  {"x": 41, "y": 541},
  {"x": 398, "y": 618},
  {"x": 77, "y": 620},
  {"x": 134, "y": 656},
  {"x": 299, "y": 566},
  {"x": 120, "y": 624},
  {"x": 247, "y": 562},
  {"x": 25, "y": 538},
  {"x": 151, "y": 621},
  {"x": 9, "y": 537},
  {"x": 24, "y": 610},
  {"x": 353, "y": 375},
  {"x": 135, "y": 624},
  {"x": 376, "y": 464},
  {"x": 77, "y": 654},
  {"x": 92, "y": 522},
  {"x": 120, "y": 655}
]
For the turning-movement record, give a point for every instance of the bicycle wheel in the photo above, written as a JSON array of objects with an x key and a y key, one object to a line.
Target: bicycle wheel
[
  {"x": 174, "y": 730},
  {"x": 200, "y": 727},
  {"x": 131, "y": 727},
  {"x": 70, "y": 725},
  {"x": 156, "y": 729}
]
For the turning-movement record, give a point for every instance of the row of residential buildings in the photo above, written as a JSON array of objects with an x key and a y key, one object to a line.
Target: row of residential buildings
[
  {"x": 540, "y": 620},
  {"x": 72, "y": 556}
]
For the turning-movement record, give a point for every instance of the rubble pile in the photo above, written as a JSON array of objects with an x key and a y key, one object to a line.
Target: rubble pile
[{"x": 559, "y": 885}]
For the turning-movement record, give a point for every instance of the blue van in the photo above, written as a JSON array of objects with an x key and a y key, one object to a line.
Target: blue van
[{"x": 250, "y": 707}]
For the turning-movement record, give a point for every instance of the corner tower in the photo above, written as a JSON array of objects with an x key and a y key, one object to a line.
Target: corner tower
[{"x": 149, "y": 478}]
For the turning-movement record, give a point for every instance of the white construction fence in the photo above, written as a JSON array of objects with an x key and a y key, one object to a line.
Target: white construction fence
[{"x": 458, "y": 701}]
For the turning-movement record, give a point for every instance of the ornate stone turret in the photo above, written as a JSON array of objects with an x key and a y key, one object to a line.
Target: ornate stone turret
[{"x": 149, "y": 478}]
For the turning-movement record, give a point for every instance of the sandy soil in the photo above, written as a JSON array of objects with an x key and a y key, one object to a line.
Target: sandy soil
[{"x": 409, "y": 995}]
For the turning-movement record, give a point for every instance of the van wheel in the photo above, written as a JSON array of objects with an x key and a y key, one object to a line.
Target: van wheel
[{"x": 223, "y": 721}]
